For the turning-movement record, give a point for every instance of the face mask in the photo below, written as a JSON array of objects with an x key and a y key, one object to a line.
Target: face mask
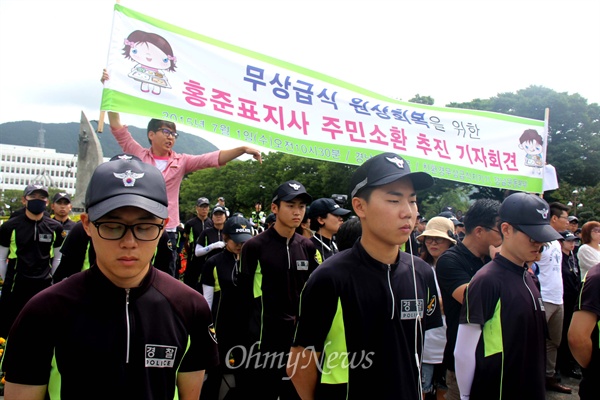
[{"x": 36, "y": 206}]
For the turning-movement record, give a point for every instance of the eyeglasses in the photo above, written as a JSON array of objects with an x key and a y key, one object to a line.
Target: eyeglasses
[
  {"x": 436, "y": 240},
  {"x": 563, "y": 217},
  {"x": 596, "y": 230},
  {"x": 169, "y": 133},
  {"x": 530, "y": 239},
  {"x": 116, "y": 230},
  {"x": 492, "y": 229}
]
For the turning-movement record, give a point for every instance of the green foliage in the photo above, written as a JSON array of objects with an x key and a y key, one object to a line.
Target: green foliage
[
  {"x": 574, "y": 127},
  {"x": 243, "y": 183},
  {"x": 588, "y": 197},
  {"x": 573, "y": 149},
  {"x": 422, "y": 99},
  {"x": 10, "y": 201},
  {"x": 444, "y": 193}
]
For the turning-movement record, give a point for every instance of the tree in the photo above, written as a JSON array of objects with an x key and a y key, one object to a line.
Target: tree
[
  {"x": 574, "y": 126},
  {"x": 573, "y": 149},
  {"x": 243, "y": 183},
  {"x": 422, "y": 99}
]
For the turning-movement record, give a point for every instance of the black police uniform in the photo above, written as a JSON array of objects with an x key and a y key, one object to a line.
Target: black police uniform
[
  {"x": 361, "y": 315},
  {"x": 208, "y": 236},
  {"x": 192, "y": 230},
  {"x": 85, "y": 335},
  {"x": 455, "y": 267},
  {"x": 274, "y": 270},
  {"x": 31, "y": 249},
  {"x": 510, "y": 357}
]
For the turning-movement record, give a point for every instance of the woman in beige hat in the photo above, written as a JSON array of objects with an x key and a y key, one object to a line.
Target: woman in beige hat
[{"x": 438, "y": 237}]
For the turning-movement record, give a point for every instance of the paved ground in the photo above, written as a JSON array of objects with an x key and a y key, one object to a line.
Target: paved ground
[{"x": 570, "y": 382}]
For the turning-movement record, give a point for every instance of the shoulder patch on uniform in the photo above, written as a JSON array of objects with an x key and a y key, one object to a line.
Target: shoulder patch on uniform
[
  {"x": 212, "y": 332},
  {"x": 431, "y": 306}
]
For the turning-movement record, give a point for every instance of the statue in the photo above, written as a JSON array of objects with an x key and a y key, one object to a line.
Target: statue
[{"x": 88, "y": 158}]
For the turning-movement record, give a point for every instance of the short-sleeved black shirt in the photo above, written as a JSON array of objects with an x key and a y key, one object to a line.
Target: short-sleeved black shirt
[
  {"x": 67, "y": 225},
  {"x": 273, "y": 271},
  {"x": 511, "y": 353},
  {"x": 355, "y": 308},
  {"x": 590, "y": 301},
  {"x": 571, "y": 277},
  {"x": 31, "y": 245},
  {"x": 326, "y": 247},
  {"x": 228, "y": 308},
  {"x": 84, "y": 333},
  {"x": 455, "y": 267},
  {"x": 208, "y": 236},
  {"x": 192, "y": 229}
]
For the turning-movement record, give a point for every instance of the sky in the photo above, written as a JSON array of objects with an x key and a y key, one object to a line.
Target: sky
[{"x": 53, "y": 52}]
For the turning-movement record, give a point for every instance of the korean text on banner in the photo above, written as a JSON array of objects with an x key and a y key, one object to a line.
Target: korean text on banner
[{"x": 163, "y": 71}]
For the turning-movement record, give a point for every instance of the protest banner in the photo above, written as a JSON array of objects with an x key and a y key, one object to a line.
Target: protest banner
[{"x": 163, "y": 71}]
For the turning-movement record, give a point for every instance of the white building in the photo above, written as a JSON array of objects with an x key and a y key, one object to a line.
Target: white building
[{"x": 21, "y": 165}]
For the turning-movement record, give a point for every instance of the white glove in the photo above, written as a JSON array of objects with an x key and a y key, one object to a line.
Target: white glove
[
  {"x": 201, "y": 251},
  {"x": 216, "y": 245}
]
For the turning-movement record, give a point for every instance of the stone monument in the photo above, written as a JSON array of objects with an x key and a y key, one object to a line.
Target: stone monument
[{"x": 88, "y": 158}]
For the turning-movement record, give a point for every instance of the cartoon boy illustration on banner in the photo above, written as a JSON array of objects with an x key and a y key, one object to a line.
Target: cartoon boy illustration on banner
[
  {"x": 154, "y": 56},
  {"x": 532, "y": 143}
]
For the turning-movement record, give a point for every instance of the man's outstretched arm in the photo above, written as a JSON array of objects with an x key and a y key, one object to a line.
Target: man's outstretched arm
[{"x": 227, "y": 155}]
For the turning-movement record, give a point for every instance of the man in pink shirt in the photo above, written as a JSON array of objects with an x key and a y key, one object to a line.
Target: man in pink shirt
[{"x": 174, "y": 166}]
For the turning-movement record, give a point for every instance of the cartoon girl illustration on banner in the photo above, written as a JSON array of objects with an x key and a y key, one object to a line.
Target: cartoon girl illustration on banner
[
  {"x": 154, "y": 56},
  {"x": 532, "y": 143}
]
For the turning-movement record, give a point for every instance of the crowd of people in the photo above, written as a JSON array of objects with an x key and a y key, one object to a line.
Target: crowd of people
[{"x": 308, "y": 300}]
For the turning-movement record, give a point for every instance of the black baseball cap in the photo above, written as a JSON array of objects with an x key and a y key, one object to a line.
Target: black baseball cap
[
  {"x": 456, "y": 221},
  {"x": 324, "y": 206},
  {"x": 290, "y": 190},
  {"x": 201, "y": 201},
  {"x": 238, "y": 229},
  {"x": 219, "y": 209},
  {"x": 270, "y": 218},
  {"x": 386, "y": 168},
  {"x": 61, "y": 195},
  {"x": 447, "y": 214},
  {"x": 126, "y": 181},
  {"x": 568, "y": 236},
  {"x": 35, "y": 187},
  {"x": 530, "y": 214}
]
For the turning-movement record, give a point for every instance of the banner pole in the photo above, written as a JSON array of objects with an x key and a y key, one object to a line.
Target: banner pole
[
  {"x": 546, "y": 125},
  {"x": 101, "y": 122},
  {"x": 102, "y": 112}
]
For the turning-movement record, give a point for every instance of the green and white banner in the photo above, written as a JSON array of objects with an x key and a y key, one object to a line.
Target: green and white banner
[{"x": 162, "y": 71}]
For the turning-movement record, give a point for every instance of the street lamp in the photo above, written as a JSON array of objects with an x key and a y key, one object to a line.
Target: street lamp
[{"x": 575, "y": 200}]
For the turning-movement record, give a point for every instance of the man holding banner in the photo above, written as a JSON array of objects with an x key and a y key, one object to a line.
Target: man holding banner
[{"x": 162, "y": 136}]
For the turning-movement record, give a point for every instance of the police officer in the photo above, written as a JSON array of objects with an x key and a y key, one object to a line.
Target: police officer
[
  {"x": 61, "y": 208},
  {"x": 326, "y": 217},
  {"x": 29, "y": 254},
  {"x": 275, "y": 265},
  {"x": 192, "y": 230}
]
